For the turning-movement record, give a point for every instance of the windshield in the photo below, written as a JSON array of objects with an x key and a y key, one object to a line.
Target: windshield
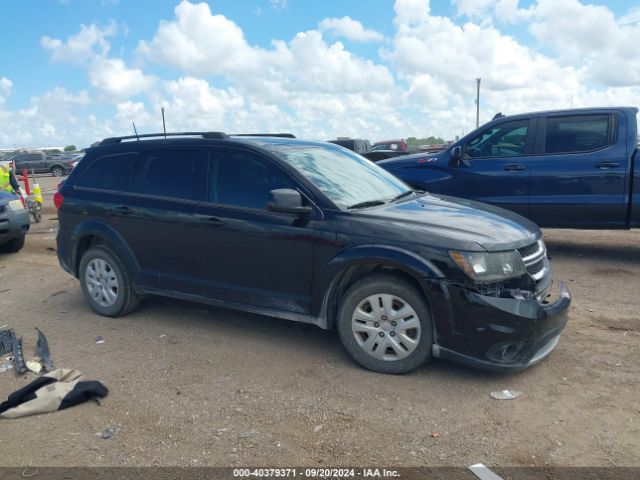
[{"x": 344, "y": 176}]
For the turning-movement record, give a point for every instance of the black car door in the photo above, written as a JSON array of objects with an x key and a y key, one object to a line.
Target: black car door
[{"x": 248, "y": 253}]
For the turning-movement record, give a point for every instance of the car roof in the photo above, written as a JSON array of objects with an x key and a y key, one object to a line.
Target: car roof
[{"x": 268, "y": 143}]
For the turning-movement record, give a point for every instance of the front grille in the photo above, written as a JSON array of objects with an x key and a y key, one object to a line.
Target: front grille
[
  {"x": 536, "y": 267},
  {"x": 534, "y": 257},
  {"x": 2, "y": 208},
  {"x": 529, "y": 250}
]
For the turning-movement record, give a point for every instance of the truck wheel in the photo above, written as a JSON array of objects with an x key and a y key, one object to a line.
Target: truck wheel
[
  {"x": 106, "y": 284},
  {"x": 13, "y": 246},
  {"x": 384, "y": 324},
  {"x": 57, "y": 171}
]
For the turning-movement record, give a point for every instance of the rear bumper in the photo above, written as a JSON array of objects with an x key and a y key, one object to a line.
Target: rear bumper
[
  {"x": 502, "y": 334},
  {"x": 13, "y": 224}
]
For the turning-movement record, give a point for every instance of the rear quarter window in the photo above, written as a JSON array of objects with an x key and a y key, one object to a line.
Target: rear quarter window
[
  {"x": 107, "y": 172},
  {"x": 578, "y": 133}
]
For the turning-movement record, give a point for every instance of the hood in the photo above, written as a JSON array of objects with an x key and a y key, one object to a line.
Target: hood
[{"x": 449, "y": 222}]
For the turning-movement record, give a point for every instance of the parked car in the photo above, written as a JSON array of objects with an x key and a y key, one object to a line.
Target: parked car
[
  {"x": 377, "y": 155},
  {"x": 565, "y": 169},
  {"x": 40, "y": 163},
  {"x": 312, "y": 232},
  {"x": 14, "y": 223},
  {"x": 355, "y": 144},
  {"x": 399, "y": 145}
]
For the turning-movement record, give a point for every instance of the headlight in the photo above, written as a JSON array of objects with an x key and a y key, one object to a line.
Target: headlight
[
  {"x": 16, "y": 205},
  {"x": 488, "y": 267}
]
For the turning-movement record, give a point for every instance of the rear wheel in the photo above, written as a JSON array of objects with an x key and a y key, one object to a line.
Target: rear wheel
[
  {"x": 14, "y": 245},
  {"x": 57, "y": 171},
  {"x": 106, "y": 284},
  {"x": 384, "y": 324}
]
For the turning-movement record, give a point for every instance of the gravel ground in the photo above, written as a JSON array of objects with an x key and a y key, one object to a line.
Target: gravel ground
[{"x": 193, "y": 386}]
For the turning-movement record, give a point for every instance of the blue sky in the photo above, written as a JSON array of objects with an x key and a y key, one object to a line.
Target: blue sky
[{"x": 321, "y": 69}]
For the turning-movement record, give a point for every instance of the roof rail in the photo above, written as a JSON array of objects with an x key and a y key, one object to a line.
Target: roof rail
[
  {"x": 216, "y": 135},
  {"x": 281, "y": 135}
]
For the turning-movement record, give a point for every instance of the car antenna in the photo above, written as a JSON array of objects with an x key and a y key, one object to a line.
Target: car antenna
[
  {"x": 164, "y": 128},
  {"x": 135, "y": 131}
]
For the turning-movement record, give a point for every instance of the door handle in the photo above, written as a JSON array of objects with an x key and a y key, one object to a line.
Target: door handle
[
  {"x": 211, "y": 222},
  {"x": 514, "y": 168},
  {"x": 607, "y": 165},
  {"x": 121, "y": 210}
]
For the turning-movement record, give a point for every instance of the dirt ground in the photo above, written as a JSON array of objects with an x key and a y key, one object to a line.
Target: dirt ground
[{"x": 192, "y": 386}]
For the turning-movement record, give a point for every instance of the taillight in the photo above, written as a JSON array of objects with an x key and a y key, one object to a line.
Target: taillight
[{"x": 57, "y": 200}]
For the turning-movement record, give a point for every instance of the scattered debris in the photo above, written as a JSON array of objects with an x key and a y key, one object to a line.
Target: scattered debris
[
  {"x": 99, "y": 339},
  {"x": 6, "y": 340},
  {"x": 435, "y": 434},
  {"x": 162, "y": 336},
  {"x": 317, "y": 428},
  {"x": 50, "y": 392},
  {"x": 108, "y": 433},
  {"x": 34, "y": 365},
  {"x": 5, "y": 366},
  {"x": 506, "y": 394},
  {"x": 483, "y": 473},
  {"x": 248, "y": 434},
  {"x": 18, "y": 359},
  {"x": 42, "y": 351}
]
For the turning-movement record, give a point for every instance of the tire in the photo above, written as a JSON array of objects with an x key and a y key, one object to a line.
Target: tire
[
  {"x": 14, "y": 245},
  {"x": 407, "y": 344},
  {"x": 106, "y": 283},
  {"x": 57, "y": 171}
]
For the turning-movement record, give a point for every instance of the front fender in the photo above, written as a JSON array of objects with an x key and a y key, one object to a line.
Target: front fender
[
  {"x": 108, "y": 237},
  {"x": 330, "y": 275}
]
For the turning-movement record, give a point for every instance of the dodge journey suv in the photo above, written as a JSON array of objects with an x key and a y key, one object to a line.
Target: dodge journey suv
[{"x": 311, "y": 232}]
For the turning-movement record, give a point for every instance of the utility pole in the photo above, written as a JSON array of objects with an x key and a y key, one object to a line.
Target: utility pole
[{"x": 478, "y": 102}]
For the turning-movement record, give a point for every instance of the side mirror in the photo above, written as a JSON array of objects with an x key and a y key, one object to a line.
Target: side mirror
[
  {"x": 456, "y": 157},
  {"x": 287, "y": 200}
]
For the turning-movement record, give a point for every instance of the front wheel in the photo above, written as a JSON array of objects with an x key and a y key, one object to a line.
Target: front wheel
[
  {"x": 57, "y": 171},
  {"x": 106, "y": 284},
  {"x": 384, "y": 324}
]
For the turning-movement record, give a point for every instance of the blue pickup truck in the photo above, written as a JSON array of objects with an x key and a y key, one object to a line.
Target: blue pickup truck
[{"x": 565, "y": 169}]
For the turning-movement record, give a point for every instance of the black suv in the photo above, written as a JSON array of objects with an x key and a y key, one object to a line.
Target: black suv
[{"x": 312, "y": 232}]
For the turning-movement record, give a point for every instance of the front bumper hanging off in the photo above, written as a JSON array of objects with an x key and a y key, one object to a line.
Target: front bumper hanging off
[{"x": 497, "y": 333}]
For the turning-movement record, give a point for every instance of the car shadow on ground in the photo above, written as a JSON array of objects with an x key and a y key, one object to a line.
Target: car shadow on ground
[{"x": 287, "y": 335}]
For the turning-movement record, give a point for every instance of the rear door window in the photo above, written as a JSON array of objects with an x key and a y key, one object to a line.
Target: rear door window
[
  {"x": 172, "y": 173},
  {"x": 107, "y": 172},
  {"x": 578, "y": 133},
  {"x": 244, "y": 179}
]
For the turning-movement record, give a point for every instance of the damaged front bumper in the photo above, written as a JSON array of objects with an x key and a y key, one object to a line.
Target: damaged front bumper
[{"x": 506, "y": 333}]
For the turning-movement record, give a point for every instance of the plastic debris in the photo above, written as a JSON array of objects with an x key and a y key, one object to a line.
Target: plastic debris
[
  {"x": 6, "y": 340},
  {"x": 483, "y": 473},
  {"x": 99, "y": 339},
  {"x": 248, "y": 434},
  {"x": 506, "y": 394},
  {"x": 42, "y": 351},
  {"x": 435, "y": 434},
  {"x": 317, "y": 428},
  {"x": 5, "y": 366},
  {"x": 34, "y": 365}
]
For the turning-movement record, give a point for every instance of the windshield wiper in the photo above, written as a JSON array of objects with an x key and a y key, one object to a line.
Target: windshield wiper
[
  {"x": 368, "y": 203},
  {"x": 402, "y": 195}
]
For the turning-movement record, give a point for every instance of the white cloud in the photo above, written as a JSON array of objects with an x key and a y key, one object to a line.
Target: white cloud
[
  {"x": 5, "y": 88},
  {"x": 84, "y": 45},
  {"x": 631, "y": 17},
  {"x": 348, "y": 28},
  {"x": 111, "y": 76},
  {"x": 278, "y": 4}
]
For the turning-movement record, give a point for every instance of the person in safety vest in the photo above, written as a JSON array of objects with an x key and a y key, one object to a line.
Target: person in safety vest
[{"x": 8, "y": 181}]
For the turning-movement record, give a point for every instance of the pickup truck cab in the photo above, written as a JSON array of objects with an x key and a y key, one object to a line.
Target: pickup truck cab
[
  {"x": 565, "y": 169},
  {"x": 41, "y": 163}
]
